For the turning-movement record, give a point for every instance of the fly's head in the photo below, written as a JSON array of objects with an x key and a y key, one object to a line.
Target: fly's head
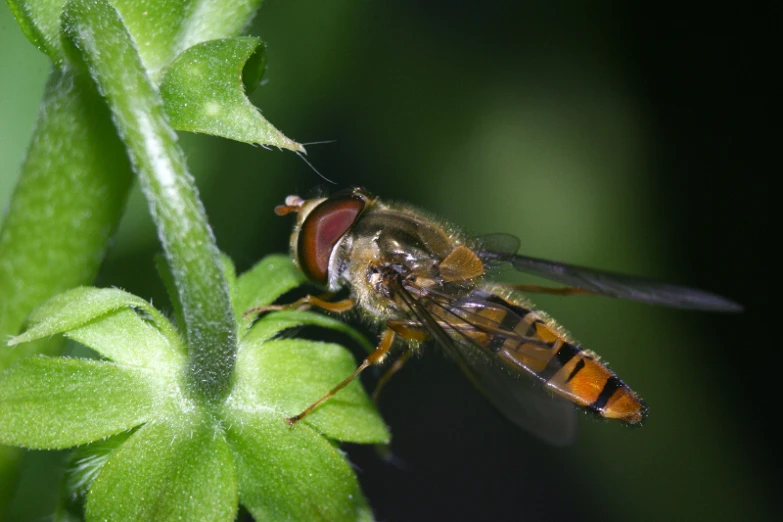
[{"x": 321, "y": 226}]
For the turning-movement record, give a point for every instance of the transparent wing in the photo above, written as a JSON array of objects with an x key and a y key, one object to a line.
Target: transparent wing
[
  {"x": 479, "y": 315},
  {"x": 501, "y": 247},
  {"x": 550, "y": 419},
  {"x": 496, "y": 248}
]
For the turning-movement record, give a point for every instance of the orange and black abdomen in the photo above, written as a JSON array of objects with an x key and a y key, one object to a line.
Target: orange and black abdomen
[
  {"x": 580, "y": 376},
  {"x": 526, "y": 340}
]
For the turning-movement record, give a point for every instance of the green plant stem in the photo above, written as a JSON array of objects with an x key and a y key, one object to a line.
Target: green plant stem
[
  {"x": 99, "y": 34},
  {"x": 66, "y": 206},
  {"x": 68, "y": 201}
]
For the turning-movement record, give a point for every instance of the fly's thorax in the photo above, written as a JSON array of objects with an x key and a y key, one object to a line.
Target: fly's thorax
[
  {"x": 396, "y": 243},
  {"x": 405, "y": 240},
  {"x": 392, "y": 244},
  {"x": 405, "y": 234},
  {"x": 361, "y": 267},
  {"x": 370, "y": 274}
]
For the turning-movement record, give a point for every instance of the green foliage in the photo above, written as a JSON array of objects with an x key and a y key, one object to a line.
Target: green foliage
[
  {"x": 191, "y": 458},
  {"x": 203, "y": 91},
  {"x": 179, "y": 421},
  {"x": 56, "y": 402},
  {"x": 163, "y": 29}
]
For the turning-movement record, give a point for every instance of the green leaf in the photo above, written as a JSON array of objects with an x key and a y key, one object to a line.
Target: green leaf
[
  {"x": 79, "y": 306},
  {"x": 292, "y": 473},
  {"x": 157, "y": 29},
  {"x": 162, "y": 29},
  {"x": 84, "y": 464},
  {"x": 178, "y": 470},
  {"x": 40, "y": 22},
  {"x": 270, "y": 278},
  {"x": 54, "y": 402},
  {"x": 289, "y": 375},
  {"x": 126, "y": 338},
  {"x": 203, "y": 92},
  {"x": 273, "y": 323},
  {"x": 254, "y": 70}
]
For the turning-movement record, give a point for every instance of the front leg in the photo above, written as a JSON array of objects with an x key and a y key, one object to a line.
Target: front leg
[
  {"x": 305, "y": 303},
  {"x": 407, "y": 330},
  {"x": 387, "y": 340}
]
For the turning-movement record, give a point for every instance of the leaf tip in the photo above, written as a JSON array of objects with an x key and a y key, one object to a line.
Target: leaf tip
[
  {"x": 284, "y": 142},
  {"x": 13, "y": 341}
]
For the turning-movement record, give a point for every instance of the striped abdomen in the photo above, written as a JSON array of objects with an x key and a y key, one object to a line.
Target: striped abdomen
[{"x": 528, "y": 341}]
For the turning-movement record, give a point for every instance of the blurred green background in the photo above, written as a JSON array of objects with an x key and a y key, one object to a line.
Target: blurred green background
[{"x": 631, "y": 139}]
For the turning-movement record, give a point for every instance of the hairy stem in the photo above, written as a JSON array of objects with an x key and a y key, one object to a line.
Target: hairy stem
[{"x": 107, "y": 49}]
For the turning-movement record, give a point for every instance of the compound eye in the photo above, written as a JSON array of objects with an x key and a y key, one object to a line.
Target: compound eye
[{"x": 321, "y": 230}]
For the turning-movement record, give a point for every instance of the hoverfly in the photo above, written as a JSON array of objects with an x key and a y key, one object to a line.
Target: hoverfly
[{"x": 423, "y": 280}]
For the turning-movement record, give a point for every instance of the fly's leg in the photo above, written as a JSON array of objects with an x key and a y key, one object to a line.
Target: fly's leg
[
  {"x": 406, "y": 330},
  {"x": 387, "y": 375},
  {"x": 387, "y": 339},
  {"x": 304, "y": 303},
  {"x": 563, "y": 290},
  {"x": 412, "y": 332}
]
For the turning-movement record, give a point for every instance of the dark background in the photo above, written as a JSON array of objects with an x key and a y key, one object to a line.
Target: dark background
[{"x": 636, "y": 139}]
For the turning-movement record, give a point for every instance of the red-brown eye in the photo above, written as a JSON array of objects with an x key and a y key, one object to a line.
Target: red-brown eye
[{"x": 322, "y": 230}]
